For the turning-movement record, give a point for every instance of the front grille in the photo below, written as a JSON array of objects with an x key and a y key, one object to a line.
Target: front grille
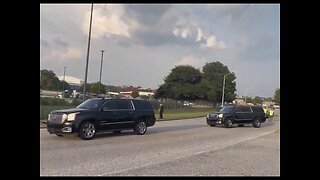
[
  {"x": 56, "y": 118},
  {"x": 213, "y": 116}
]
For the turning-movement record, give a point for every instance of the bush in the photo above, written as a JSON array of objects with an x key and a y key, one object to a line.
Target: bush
[
  {"x": 76, "y": 102},
  {"x": 53, "y": 101}
]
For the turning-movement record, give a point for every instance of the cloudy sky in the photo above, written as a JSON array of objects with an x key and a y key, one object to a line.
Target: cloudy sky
[{"x": 143, "y": 43}]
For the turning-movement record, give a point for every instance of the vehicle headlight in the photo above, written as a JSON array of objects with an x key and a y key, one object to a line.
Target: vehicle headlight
[
  {"x": 64, "y": 117},
  {"x": 72, "y": 116},
  {"x": 208, "y": 115},
  {"x": 220, "y": 115},
  {"x": 48, "y": 116}
]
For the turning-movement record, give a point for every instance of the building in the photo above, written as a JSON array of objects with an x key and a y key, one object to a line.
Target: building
[{"x": 74, "y": 83}]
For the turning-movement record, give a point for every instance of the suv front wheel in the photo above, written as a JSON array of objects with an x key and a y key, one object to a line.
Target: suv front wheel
[
  {"x": 228, "y": 123},
  {"x": 140, "y": 128},
  {"x": 87, "y": 130}
]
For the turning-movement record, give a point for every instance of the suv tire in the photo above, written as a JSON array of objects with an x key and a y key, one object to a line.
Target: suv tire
[
  {"x": 228, "y": 123},
  {"x": 256, "y": 123},
  {"x": 140, "y": 128},
  {"x": 87, "y": 130}
]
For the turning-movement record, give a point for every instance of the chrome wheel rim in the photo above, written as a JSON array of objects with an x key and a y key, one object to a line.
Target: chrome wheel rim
[
  {"x": 88, "y": 130},
  {"x": 258, "y": 122},
  {"x": 142, "y": 127},
  {"x": 229, "y": 123}
]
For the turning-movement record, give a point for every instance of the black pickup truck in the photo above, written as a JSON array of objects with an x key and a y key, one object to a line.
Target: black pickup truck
[
  {"x": 240, "y": 115},
  {"x": 102, "y": 115}
]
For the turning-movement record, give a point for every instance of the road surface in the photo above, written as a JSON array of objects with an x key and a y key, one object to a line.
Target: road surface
[{"x": 170, "y": 148}]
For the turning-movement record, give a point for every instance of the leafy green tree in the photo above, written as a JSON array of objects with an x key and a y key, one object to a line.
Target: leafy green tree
[
  {"x": 181, "y": 84},
  {"x": 88, "y": 87},
  {"x": 135, "y": 93},
  {"x": 49, "y": 80},
  {"x": 213, "y": 75},
  {"x": 63, "y": 85},
  {"x": 94, "y": 88},
  {"x": 276, "y": 96}
]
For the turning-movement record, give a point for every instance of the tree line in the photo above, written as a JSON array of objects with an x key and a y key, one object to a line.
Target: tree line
[{"x": 188, "y": 83}]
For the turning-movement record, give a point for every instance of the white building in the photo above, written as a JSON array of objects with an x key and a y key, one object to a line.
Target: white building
[{"x": 74, "y": 83}]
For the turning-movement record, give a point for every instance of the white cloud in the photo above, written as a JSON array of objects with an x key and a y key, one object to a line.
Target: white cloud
[
  {"x": 212, "y": 42},
  {"x": 199, "y": 34},
  {"x": 185, "y": 33},
  {"x": 192, "y": 61},
  {"x": 60, "y": 55},
  {"x": 106, "y": 21}
]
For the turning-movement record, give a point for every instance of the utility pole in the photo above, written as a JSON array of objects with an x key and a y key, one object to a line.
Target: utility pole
[
  {"x": 88, "y": 50},
  {"x": 64, "y": 75},
  {"x": 101, "y": 71},
  {"x": 224, "y": 81}
]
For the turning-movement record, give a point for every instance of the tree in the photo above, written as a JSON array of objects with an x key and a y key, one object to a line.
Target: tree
[
  {"x": 276, "y": 96},
  {"x": 213, "y": 74},
  {"x": 49, "y": 80},
  {"x": 63, "y": 85},
  {"x": 88, "y": 87},
  {"x": 94, "y": 88},
  {"x": 181, "y": 84},
  {"x": 135, "y": 93}
]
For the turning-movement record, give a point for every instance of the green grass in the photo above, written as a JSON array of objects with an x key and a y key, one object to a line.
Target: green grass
[
  {"x": 46, "y": 109},
  {"x": 184, "y": 113}
]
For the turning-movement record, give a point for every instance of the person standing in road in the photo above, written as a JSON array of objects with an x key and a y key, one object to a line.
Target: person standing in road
[{"x": 161, "y": 111}]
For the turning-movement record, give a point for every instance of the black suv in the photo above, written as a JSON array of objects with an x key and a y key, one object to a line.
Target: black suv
[
  {"x": 240, "y": 115},
  {"x": 100, "y": 115}
]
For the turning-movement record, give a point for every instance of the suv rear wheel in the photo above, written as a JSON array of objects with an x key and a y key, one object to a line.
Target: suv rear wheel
[
  {"x": 256, "y": 123},
  {"x": 228, "y": 123},
  {"x": 140, "y": 128},
  {"x": 87, "y": 130}
]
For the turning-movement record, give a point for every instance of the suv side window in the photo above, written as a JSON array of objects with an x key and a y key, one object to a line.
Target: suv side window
[
  {"x": 142, "y": 105},
  {"x": 110, "y": 105},
  {"x": 257, "y": 109},
  {"x": 124, "y": 104},
  {"x": 243, "y": 109}
]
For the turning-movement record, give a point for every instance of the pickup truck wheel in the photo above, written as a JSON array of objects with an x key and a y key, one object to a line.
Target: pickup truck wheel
[
  {"x": 87, "y": 131},
  {"x": 256, "y": 123},
  {"x": 140, "y": 128},
  {"x": 228, "y": 123}
]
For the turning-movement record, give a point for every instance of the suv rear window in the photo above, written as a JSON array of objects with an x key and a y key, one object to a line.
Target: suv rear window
[{"x": 142, "y": 104}]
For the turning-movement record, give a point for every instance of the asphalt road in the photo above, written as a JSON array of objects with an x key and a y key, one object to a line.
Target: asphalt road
[{"x": 170, "y": 148}]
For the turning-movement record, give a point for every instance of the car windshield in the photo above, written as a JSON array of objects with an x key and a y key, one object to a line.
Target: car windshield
[
  {"x": 227, "y": 109},
  {"x": 91, "y": 104}
]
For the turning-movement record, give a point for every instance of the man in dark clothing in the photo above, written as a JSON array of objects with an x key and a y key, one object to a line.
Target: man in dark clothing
[{"x": 161, "y": 111}]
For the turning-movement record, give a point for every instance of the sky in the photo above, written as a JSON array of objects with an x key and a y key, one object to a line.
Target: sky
[{"x": 142, "y": 42}]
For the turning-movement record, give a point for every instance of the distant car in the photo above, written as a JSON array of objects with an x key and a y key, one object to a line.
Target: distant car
[
  {"x": 188, "y": 104},
  {"x": 100, "y": 115},
  {"x": 240, "y": 115}
]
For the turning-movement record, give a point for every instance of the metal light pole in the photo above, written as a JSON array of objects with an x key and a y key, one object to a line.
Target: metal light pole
[
  {"x": 101, "y": 71},
  {"x": 64, "y": 75},
  {"x": 88, "y": 50},
  {"x": 224, "y": 81}
]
